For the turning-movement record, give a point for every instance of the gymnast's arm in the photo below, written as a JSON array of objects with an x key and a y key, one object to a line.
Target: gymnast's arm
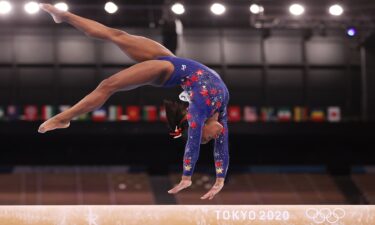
[
  {"x": 221, "y": 152},
  {"x": 192, "y": 147},
  {"x": 221, "y": 157}
]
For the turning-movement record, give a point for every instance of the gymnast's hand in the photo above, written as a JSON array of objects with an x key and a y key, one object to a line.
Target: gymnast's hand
[
  {"x": 219, "y": 184},
  {"x": 184, "y": 183}
]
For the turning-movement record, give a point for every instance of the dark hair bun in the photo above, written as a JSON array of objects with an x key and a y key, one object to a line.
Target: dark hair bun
[{"x": 176, "y": 113}]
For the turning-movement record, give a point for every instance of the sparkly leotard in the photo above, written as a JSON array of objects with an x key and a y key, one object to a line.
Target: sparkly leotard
[{"x": 207, "y": 94}]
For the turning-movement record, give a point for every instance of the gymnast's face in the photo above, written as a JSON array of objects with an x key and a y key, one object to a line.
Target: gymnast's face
[{"x": 211, "y": 130}]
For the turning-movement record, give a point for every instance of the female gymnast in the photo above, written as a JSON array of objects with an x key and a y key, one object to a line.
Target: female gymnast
[{"x": 157, "y": 66}]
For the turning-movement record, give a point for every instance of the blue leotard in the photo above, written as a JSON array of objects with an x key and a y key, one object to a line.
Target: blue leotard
[{"x": 207, "y": 95}]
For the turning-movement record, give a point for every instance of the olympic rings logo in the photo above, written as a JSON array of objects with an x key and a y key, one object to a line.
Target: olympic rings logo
[{"x": 325, "y": 215}]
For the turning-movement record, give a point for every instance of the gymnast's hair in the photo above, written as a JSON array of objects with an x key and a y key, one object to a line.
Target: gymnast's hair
[{"x": 176, "y": 117}]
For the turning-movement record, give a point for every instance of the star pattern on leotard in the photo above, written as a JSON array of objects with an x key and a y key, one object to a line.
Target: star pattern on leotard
[
  {"x": 207, "y": 93},
  {"x": 219, "y": 166},
  {"x": 187, "y": 167},
  {"x": 213, "y": 91},
  {"x": 204, "y": 92},
  {"x": 199, "y": 72},
  {"x": 211, "y": 95},
  {"x": 194, "y": 78},
  {"x": 193, "y": 125},
  {"x": 187, "y": 163}
]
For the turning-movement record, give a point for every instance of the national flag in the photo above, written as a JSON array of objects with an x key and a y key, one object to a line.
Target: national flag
[
  {"x": 162, "y": 114},
  {"x": 234, "y": 113},
  {"x": 317, "y": 115},
  {"x": 300, "y": 114},
  {"x": 334, "y": 114},
  {"x": 31, "y": 112},
  {"x": 2, "y": 113},
  {"x": 13, "y": 113},
  {"x": 267, "y": 114},
  {"x": 115, "y": 113},
  {"x": 133, "y": 113},
  {"x": 99, "y": 115},
  {"x": 47, "y": 112},
  {"x": 150, "y": 113},
  {"x": 250, "y": 114},
  {"x": 284, "y": 115}
]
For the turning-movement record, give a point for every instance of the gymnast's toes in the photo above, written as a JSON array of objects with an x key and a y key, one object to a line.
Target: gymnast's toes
[
  {"x": 52, "y": 124},
  {"x": 56, "y": 13}
]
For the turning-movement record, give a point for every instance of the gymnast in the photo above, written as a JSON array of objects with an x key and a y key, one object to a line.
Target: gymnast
[{"x": 205, "y": 118}]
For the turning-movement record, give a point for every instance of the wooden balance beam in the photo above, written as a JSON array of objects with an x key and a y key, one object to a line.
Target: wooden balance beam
[{"x": 188, "y": 214}]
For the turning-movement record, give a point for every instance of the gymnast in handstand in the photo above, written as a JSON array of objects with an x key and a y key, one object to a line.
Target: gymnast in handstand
[{"x": 206, "y": 115}]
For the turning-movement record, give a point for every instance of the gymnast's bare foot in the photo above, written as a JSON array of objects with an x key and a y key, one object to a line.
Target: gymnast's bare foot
[
  {"x": 56, "y": 13},
  {"x": 52, "y": 124}
]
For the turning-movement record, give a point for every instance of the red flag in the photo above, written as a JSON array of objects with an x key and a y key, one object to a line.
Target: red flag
[
  {"x": 31, "y": 112},
  {"x": 134, "y": 113},
  {"x": 234, "y": 113}
]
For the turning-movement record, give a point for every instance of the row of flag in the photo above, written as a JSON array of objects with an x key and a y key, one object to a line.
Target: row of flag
[
  {"x": 153, "y": 113},
  {"x": 110, "y": 113},
  {"x": 283, "y": 114}
]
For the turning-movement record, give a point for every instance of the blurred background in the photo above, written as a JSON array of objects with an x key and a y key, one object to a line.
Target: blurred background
[{"x": 301, "y": 81}]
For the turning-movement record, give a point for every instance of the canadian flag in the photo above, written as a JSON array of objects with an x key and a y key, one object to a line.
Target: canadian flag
[{"x": 334, "y": 114}]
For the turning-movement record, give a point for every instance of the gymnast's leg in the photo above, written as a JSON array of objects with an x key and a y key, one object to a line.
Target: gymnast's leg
[
  {"x": 152, "y": 72},
  {"x": 136, "y": 47}
]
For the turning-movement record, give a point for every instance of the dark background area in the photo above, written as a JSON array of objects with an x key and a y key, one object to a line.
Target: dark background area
[{"x": 308, "y": 62}]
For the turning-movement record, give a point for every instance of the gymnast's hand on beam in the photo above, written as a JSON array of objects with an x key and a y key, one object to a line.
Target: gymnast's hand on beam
[
  {"x": 219, "y": 184},
  {"x": 184, "y": 183}
]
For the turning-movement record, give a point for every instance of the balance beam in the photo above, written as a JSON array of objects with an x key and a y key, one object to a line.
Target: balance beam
[{"x": 188, "y": 214}]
